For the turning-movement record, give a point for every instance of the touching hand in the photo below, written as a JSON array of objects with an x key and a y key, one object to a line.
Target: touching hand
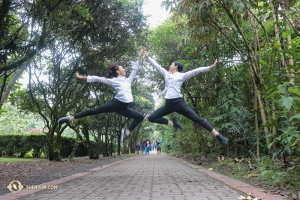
[
  {"x": 141, "y": 54},
  {"x": 214, "y": 65},
  {"x": 145, "y": 53},
  {"x": 77, "y": 75},
  {"x": 142, "y": 51}
]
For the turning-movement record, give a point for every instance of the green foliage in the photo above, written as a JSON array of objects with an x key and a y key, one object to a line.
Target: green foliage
[
  {"x": 278, "y": 174},
  {"x": 12, "y": 120},
  {"x": 19, "y": 144},
  {"x": 265, "y": 170},
  {"x": 288, "y": 99},
  {"x": 241, "y": 35},
  {"x": 35, "y": 145}
]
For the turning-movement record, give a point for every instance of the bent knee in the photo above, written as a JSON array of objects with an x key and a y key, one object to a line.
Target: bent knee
[
  {"x": 140, "y": 117},
  {"x": 151, "y": 119}
]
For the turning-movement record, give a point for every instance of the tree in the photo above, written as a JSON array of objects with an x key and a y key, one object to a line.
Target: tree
[
  {"x": 246, "y": 27},
  {"x": 87, "y": 35},
  {"x": 26, "y": 30}
]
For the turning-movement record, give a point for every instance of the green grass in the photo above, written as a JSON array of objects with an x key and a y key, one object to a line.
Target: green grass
[{"x": 5, "y": 160}]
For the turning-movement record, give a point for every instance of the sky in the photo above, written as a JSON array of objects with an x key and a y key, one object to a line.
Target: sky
[{"x": 157, "y": 13}]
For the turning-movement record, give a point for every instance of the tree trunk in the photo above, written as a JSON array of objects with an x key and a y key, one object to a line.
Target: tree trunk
[
  {"x": 261, "y": 106},
  {"x": 277, "y": 37},
  {"x": 11, "y": 84},
  {"x": 54, "y": 146},
  {"x": 256, "y": 126},
  {"x": 289, "y": 41},
  {"x": 77, "y": 142},
  {"x": 92, "y": 153}
]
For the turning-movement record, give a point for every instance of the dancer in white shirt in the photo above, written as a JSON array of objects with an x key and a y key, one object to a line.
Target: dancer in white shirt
[
  {"x": 174, "y": 101},
  {"x": 119, "y": 104}
]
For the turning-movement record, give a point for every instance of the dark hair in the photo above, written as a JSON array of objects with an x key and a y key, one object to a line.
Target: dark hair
[
  {"x": 179, "y": 66},
  {"x": 112, "y": 70}
]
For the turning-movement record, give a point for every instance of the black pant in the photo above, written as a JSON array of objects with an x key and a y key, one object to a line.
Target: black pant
[
  {"x": 117, "y": 106},
  {"x": 178, "y": 105}
]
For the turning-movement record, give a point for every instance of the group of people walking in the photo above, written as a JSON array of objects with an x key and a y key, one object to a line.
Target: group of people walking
[
  {"x": 174, "y": 101},
  {"x": 146, "y": 146}
]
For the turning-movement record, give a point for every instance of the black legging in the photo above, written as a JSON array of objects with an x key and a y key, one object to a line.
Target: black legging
[
  {"x": 114, "y": 106},
  {"x": 178, "y": 105}
]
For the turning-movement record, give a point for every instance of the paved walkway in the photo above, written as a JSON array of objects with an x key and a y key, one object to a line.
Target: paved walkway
[{"x": 157, "y": 177}]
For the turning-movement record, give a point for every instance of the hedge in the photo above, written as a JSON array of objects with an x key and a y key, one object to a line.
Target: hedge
[{"x": 20, "y": 144}]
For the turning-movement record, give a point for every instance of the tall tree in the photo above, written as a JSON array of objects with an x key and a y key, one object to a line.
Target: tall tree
[
  {"x": 87, "y": 36},
  {"x": 25, "y": 27},
  {"x": 247, "y": 28}
]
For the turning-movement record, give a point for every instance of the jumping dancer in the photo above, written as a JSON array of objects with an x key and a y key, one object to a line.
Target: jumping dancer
[
  {"x": 174, "y": 101},
  {"x": 119, "y": 104}
]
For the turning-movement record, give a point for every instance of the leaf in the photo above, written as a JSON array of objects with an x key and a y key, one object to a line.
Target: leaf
[
  {"x": 295, "y": 91},
  {"x": 273, "y": 122},
  {"x": 252, "y": 175},
  {"x": 266, "y": 172},
  {"x": 286, "y": 34},
  {"x": 287, "y": 102},
  {"x": 233, "y": 109},
  {"x": 245, "y": 198},
  {"x": 297, "y": 116}
]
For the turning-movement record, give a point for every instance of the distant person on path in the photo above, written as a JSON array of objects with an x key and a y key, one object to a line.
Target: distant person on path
[
  {"x": 158, "y": 145},
  {"x": 154, "y": 143},
  {"x": 174, "y": 78},
  {"x": 137, "y": 148},
  {"x": 144, "y": 148},
  {"x": 117, "y": 79},
  {"x": 147, "y": 146}
]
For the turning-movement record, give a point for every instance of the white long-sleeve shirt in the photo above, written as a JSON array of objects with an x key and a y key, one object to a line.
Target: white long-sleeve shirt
[
  {"x": 173, "y": 81},
  {"x": 121, "y": 84}
]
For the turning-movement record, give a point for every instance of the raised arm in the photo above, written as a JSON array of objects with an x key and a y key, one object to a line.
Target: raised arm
[
  {"x": 141, "y": 54},
  {"x": 135, "y": 66},
  {"x": 159, "y": 68}
]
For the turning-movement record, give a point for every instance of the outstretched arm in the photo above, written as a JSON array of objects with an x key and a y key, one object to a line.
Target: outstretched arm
[
  {"x": 91, "y": 79},
  {"x": 198, "y": 70}
]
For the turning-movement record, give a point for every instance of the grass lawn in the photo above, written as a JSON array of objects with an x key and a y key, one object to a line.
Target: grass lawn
[{"x": 3, "y": 160}]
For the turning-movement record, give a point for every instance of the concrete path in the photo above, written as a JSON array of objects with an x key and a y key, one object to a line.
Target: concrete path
[{"x": 157, "y": 177}]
